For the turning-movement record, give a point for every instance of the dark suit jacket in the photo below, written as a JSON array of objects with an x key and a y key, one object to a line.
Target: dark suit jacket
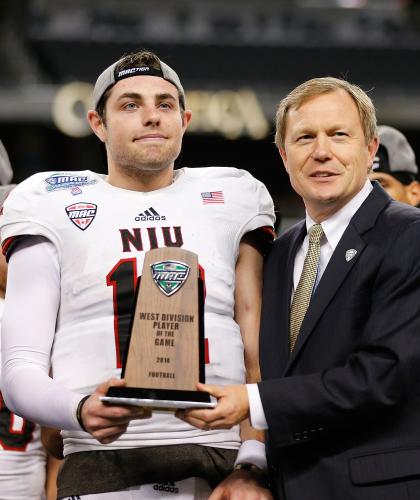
[{"x": 344, "y": 409}]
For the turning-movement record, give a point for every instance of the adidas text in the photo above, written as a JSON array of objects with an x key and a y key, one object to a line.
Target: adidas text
[
  {"x": 149, "y": 214},
  {"x": 169, "y": 487}
]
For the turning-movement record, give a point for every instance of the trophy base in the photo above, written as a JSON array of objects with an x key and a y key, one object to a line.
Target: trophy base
[{"x": 158, "y": 398}]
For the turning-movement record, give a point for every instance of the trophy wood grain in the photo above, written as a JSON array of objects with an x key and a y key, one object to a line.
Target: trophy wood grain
[{"x": 164, "y": 343}]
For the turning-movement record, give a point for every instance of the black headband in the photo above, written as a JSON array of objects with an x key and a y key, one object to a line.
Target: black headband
[{"x": 136, "y": 71}]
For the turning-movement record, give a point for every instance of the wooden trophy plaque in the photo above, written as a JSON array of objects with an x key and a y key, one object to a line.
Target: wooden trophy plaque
[{"x": 165, "y": 358}]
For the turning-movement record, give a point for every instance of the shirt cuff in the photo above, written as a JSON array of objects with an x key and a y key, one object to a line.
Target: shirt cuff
[
  {"x": 252, "y": 451},
  {"x": 256, "y": 410}
]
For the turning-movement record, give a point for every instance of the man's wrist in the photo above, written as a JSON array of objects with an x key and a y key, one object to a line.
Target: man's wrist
[
  {"x": 79, "y": 412},
  {"x": 248, "y": 466},
  {"x": 258, "y": 474}
]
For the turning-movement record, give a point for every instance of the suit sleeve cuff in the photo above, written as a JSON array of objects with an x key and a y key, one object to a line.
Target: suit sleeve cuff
[{"x": 256, "y": 410}]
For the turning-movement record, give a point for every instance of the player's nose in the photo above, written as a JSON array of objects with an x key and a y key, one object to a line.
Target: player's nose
[{"x": 150, "y": 115}]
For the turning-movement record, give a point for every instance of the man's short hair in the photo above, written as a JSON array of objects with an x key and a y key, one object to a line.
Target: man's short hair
[
  {"x": 395, "y": 156},
  {"x": 318, "y": 86}
]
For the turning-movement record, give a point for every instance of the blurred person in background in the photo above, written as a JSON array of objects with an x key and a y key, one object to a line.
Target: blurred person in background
[
  {"x": 74, "y": 265},
  {"x": 395, "y": 166},
  {"x": 22, "y": 457}
]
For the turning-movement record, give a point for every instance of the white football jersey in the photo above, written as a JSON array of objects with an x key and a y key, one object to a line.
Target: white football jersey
[
  {"x": 101, "y": 233},
  {"x": 22, "y": 457}
]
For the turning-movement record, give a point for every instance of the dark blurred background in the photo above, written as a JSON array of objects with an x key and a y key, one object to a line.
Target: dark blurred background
[{"x": 236, "y": 59}]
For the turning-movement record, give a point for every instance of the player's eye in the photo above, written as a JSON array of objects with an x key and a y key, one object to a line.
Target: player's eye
[{"x": 129, "y": 106}]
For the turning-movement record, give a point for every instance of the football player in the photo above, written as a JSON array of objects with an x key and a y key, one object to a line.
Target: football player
[
  {"x": 395, "y": 166},
  {"x": 75, "y": 243},
  {"x": 22, "y": 457}
]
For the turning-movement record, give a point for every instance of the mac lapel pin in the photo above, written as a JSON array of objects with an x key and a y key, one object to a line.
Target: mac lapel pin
[{"x": 350, "y": 254}]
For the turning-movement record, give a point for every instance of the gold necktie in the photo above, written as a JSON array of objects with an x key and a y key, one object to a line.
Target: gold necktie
[{"x": 303, "y": 292}]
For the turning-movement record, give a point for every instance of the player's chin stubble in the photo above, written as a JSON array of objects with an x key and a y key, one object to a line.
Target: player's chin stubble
[
  {"x": 148, "y": 162},
  {"x": 135, "y": 165}
]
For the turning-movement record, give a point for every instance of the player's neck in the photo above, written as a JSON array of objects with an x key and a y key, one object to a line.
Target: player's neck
[{"x": 141, "y": 181}]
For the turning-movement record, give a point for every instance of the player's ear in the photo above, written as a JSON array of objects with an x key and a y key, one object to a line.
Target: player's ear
[
  {"x": 96, "y": 124},
  {"x": 186, "y": 118}
]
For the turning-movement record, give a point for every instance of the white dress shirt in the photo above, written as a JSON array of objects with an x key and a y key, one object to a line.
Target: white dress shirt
[{"x": 334, "y": 228}]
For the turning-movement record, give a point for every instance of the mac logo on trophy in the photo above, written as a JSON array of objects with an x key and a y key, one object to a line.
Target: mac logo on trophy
[
  {"x": 165, "y": 357},
  {"x": 169, "y": 275}
]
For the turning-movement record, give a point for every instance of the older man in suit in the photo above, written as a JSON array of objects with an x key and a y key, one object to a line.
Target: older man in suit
[{"x": 340, "y": 330}]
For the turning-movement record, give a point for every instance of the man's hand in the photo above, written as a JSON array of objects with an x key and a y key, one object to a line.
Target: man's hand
[
  {"x": 232, "y": 407},
  {"x": 105, "y": 422},
  {"x": 242, "y": 485}
]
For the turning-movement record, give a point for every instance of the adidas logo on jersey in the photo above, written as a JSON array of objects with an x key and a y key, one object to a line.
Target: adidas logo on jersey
[
  {"x": 149, "y": 214},
  {"x": 168, "y": 487}
]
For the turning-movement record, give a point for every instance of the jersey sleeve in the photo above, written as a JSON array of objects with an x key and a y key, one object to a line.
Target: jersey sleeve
[
  {"x": 27, "y": 338},
  {"x": 261, "y": 238},
  {"x": 27, "y": 212},
  {"x": 257, "y": 226}
]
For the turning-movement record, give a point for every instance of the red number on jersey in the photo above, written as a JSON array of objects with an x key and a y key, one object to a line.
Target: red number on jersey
[
  {"x": 15, "y": 431},
  {"x": 123, "y": 279}
]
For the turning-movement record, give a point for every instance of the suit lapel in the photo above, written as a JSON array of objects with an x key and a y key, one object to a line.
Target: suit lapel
[{"x": 338, "y": 266}]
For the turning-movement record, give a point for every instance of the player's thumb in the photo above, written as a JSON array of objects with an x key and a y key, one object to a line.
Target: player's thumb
[{"x": 102, "y": 389}]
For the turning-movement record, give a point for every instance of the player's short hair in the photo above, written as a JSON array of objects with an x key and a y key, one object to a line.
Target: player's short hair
[
  {"x": 141, "y": 62},
  {"x": 318, "y": 86}
]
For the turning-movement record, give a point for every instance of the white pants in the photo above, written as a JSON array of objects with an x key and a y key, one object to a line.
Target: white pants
[{"x": 193, "y": 488}]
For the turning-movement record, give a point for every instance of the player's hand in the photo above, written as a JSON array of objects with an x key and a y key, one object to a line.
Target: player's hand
[
  {"x": 232, "y": 407},
  {"x": 242, "y": 485},
  {"x": 106, "y": 423}
]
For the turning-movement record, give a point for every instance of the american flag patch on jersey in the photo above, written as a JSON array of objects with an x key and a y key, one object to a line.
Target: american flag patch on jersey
[{"x": 212, "y": 197}]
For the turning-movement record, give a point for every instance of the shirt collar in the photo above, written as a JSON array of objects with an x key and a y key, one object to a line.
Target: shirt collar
[{"x": 335, "y": 225}]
